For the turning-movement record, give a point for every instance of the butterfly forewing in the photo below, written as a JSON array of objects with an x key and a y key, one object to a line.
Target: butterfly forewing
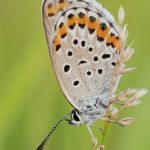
[{"x": 83, "y": 46}]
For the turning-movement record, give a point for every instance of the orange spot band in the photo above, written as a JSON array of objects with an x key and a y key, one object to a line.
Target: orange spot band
[
  {"x": 62, "y": 30},
  {"x": 50, "y": 10}
]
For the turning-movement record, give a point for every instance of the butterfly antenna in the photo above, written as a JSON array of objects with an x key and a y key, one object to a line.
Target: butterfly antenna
[{"x": 41, "y": 146}]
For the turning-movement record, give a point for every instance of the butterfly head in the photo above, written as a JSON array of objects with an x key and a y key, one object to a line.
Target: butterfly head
[{"x": 76, "y": 118}]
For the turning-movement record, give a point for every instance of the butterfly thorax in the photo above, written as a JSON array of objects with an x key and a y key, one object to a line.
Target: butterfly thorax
[{"x": 90, "y": 114}]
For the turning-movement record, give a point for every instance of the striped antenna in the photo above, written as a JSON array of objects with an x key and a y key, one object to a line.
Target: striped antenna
[{"x": 41, "y": 146}]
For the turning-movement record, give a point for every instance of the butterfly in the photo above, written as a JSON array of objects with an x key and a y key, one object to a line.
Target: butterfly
[{"x": 85, "y": 44}]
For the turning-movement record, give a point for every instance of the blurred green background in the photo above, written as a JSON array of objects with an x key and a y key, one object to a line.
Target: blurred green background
[{"x": 30, "y": 98}]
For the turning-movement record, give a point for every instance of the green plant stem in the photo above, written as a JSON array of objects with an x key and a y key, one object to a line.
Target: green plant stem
[{"x": 105, "y": 130}]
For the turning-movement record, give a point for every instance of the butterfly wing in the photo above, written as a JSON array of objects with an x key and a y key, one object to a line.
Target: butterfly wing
[{"x": 83, "y": 41}]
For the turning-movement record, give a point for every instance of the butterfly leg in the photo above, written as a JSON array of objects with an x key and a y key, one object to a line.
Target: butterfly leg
[{"x": 94, "y": 140}]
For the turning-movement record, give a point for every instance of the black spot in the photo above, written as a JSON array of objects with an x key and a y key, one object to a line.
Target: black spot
[
  {"x": 87, "y": 9},
  {"x": 112, "y": 34},
  {"x": 90, "y": 49},
  {"x": 95, "y": 58},
  {"x": 72, "y": 26},
  {"x": 81, "y": 15},
  {"x": 51, "y": 14},
  {"x": 88, "y": 106},
  {"x": 75, "y": 8},
  {"x": 75, "y": 41},
  {"x": 61, "y": 24},
  {"x": 92, "y": 19},
  {"x": 105, "y": 56},
  {"x": 103, "y": 26},
  {"x": 66, "y": 68},
  {"x": 63, "y": 35},
  {"x": 101, "y": 39},
  {"x": 70, "y": 16},
  {"x": 117, "y": 38},
  {"x": 58, "y": 47},
  {"x": 111, "y": 44},
  {"x": 113, "y": 63},
  {"x": 91, "y": 31},
  {"x": 75, "y": 83},
  {"x": 83, "y": 43},
  {"x": 82, "y": 62},
  {"x": 61, "y": 1},
  {"x": 50, "y": 5},
  {"x": 89, "y": 73},
  {"x": 70, "y": 2},
  {"x": 100, "y": 71},
  {"x": 70, "y": 53},
  {"x": 81, "y": 25}
]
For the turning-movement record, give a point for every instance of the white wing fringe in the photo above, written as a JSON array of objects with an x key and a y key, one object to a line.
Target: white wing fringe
[{"x": 121, "y": 15}]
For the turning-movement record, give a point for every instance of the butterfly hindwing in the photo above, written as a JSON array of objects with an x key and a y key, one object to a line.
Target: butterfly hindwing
[{"x": 83, "y": 45}]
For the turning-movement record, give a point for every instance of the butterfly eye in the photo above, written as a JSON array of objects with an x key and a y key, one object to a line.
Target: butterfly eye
[{"x": 75, "y": 116}]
